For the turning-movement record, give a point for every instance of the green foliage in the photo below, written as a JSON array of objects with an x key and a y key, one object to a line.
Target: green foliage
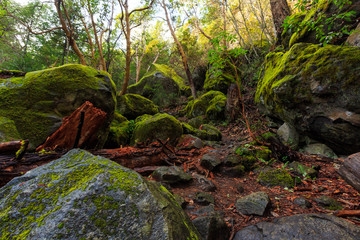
[
  {"x": 321, "y": 23},
  {"x": 220, "y": 56}
]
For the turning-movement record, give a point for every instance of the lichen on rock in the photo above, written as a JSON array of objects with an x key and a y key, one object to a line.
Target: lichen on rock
[{"x": 81, "y": 196}]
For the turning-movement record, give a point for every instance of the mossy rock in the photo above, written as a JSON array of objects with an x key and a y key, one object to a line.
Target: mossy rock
[
  {"x": 8, "y": 131},
  {"x": 212, "y": 105},
  {"x": 160, "y": 126},
  {"x": 250, "y": 155},
  {"x": 316, "y": 90},
  {"x": 219, "y": 82},
  {"x": 207, "y": 132},
  {"x": 162, "y": 86},
  {"x": 109, "y": 201},
  {"x": 120, "y": 132},
  {"x": 322, "y": 9},
  {"x": 38, "y": 102},
  {"x": 133, "y": 105},
  {"x": 276, "y": 177}
]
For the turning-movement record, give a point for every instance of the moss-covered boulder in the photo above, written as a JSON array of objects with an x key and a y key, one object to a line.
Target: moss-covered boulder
[
  {"x": 8, "y": 131},
  {"x": 160, "y": 126},
  {"x": 276, "y": 177},
  {"x": 162, "y": 86},
  {"x": 219, "y": 81},
  {"x": 120, "y": 131},
  {"x": 316, "y": 90},
  {"x": 81, "y": 196},
  {"x": 207, "y": 132},
  {"x": 314, "y": 20},
  {"x": 212, "y": 105},
  {"x": 132, "y": 106},
  {"x": 38, "y": 102}
]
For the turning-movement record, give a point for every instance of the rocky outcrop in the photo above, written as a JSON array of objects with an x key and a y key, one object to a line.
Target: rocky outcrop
[
  {"x": 316, "y": 90},
  {"x": 132, "y": 106},
  {"x": 81, "y": 196},
  {"x": 301, "y": 227},
  {"x": 162, "y": 86},
  {"x": 206, "y": 132},
  {"x": 37, "y": 102}
]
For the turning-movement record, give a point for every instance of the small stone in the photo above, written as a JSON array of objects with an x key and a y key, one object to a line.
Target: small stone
[
  {"x": 205, "y": 184},
  {"x": 276, "y": 177},
  {"x": 255, "y": 203},
  {"x": 320, "y": 149},
  {"x": 204, "y": 210},
  {"x": 203, "y": 198},
  {"x": 303, "y": 170},
  {"x": 302, "y": 202},
  {"x": 237, "y": 171},
  {"x": 240, "y": 188},
  {"x": 209, "y": 161},
  {"x": 212, "y": 227},
  {"x": 288, "y": 135},
  {"x": 328, "y": 203},
  {"x": 189, "y": 142},
  {"x": 171, "y": 175},
  {"x": 231, "y": 160}
]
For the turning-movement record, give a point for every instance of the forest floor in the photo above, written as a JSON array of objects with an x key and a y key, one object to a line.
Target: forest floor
[{"x": 327, "y": 183}]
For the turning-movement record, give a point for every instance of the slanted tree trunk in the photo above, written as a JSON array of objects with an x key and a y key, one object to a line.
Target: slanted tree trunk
[
  {"x": 181, "y": 50},
  {"x": 280, "y": 10}
]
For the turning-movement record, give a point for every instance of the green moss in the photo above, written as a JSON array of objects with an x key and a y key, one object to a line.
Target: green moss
[
  {"x": 277, "y": 177},
  {"x": 207, "y": 132},
  {"x": 8, "y": 131},
  {"x": 35, "y": 104},
  {"x": 211, "y": 104},
  {"x": 173, "y": 211},
  {"x": 288, "y": 79},
  {"x": 221, "y": 82},
  {"x": 160, "y": 126},
  {"x": 134, "y": 105}
]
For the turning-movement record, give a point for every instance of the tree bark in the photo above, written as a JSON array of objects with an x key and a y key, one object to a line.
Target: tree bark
[
  {"x": 182, "y": 53},
  {"x": 279, "y": 10}
]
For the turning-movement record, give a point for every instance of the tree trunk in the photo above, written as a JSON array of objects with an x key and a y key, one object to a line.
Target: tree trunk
[
  {"x": 128, "y": 56},
  {"x": 69, "y": 34},
  {"x": 182, "y": 53},
  {"x": 280, "y": 10}
]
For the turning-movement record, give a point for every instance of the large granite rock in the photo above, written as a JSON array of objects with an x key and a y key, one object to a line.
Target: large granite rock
[
  {"x": 301, "y": 227},
  {"x": 162, "y": 86},
  {"x": 316, "y": 90},
  {"x": 81, "y": 196},
  {"x": 37, "y": 102}
]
